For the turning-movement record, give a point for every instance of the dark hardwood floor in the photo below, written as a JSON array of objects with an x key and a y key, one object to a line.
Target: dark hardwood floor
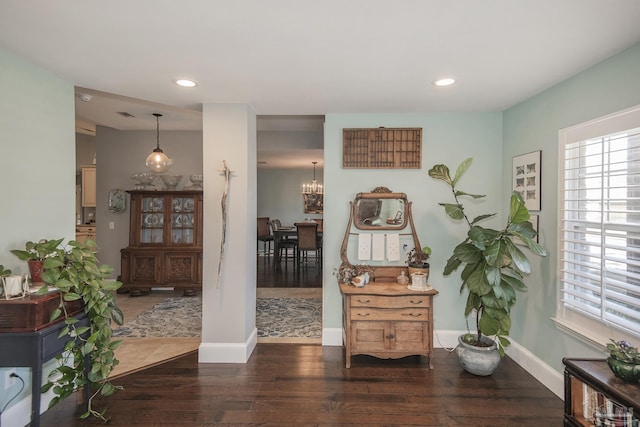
[
  {"x": 308, "y": 385},
  {"x": 288, "y": 275}
]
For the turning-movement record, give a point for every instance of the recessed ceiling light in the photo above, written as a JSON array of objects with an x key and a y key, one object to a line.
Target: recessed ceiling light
[
  {"x": 444, "y": 82},
  {"x": 186, "y": 83}
]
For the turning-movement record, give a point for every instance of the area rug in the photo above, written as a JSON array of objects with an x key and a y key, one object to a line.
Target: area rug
[{"x": 182, "y": 317}]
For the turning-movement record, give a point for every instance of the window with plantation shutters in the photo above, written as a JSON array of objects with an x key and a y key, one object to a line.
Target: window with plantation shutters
[{"x": 599, "y": 224}]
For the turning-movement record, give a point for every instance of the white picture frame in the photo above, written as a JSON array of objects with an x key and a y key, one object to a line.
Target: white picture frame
[{"x": 526, "y": 178}]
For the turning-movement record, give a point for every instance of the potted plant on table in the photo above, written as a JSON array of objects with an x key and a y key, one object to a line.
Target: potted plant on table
[
  {"x": 74, "y": 271},
  {"x": 35, "y": 254},
  {"x": 417, "y": 260},
  {"x": 624, "y": 360},
  {"x": 493, "y": 270}
]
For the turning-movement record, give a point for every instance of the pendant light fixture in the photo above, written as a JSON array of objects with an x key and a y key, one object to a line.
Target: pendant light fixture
[
  {"x": 157, "y": 161},
  {"x": 314, "y": 187}
]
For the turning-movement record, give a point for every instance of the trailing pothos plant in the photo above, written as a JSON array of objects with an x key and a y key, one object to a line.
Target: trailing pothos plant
[
  {"x": 74, "y": 270},
  {"x": 494, "y": 266}
]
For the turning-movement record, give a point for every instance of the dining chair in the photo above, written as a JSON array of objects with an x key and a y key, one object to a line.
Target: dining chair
[
  {"x": 264, "y": 235},
  {"x": 287, "y": 248},
  {"x": 307, "y": 233}
]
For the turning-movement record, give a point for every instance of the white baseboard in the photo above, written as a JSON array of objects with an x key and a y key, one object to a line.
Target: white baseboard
[
  {"x": 332, "y": 336},
  {"x": 542, "y": 372},
  {"x": 228, "y": 352}
]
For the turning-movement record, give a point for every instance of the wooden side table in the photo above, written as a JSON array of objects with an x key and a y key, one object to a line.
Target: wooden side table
[{"x": 32, "y": 349}]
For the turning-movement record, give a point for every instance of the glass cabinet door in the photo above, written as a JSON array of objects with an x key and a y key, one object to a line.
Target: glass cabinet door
[
  {"x": 152, "y": 220},
  {"x": 182, "y": 220}
]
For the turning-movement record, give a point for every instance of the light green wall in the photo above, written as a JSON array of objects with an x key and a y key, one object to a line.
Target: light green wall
[
  {"x": 37, "y": 165},
  {"x": 280, "y": 193},
  {"x": 447, "y": 138},
  {"x": 610, "y": 86}
]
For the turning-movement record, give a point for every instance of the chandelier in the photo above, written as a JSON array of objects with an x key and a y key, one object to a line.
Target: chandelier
[
  {"x": 314, "y": 187},
  {"x": 157, "y": 161}
]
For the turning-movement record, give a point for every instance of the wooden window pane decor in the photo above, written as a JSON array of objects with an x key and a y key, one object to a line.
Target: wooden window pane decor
[{"x": 390, "y": 148}]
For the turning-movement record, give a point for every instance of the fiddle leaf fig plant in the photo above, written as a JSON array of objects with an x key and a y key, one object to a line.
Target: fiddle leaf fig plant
[
  {"x": 493, "y": 265},
  {"x": 75, "y": 272}
]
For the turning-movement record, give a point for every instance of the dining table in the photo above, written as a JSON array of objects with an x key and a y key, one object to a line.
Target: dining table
[{"x": 283, "y": 233}]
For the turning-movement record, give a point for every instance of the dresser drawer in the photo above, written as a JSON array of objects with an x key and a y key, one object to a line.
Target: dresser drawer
[
  {"x": 406, "y": 314},
  {"x": 390, "y": 302}
]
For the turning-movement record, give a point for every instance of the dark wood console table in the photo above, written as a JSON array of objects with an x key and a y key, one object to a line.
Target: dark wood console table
[{"x": 31, "y": 350}]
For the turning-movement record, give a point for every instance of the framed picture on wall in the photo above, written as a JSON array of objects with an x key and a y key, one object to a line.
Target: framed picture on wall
[
  {"x": 526, "y": 178},
  {"x": 313, "y": 203}
]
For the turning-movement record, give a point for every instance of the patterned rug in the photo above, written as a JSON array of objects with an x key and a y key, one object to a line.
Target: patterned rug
[{"x": 182, "y": 317}]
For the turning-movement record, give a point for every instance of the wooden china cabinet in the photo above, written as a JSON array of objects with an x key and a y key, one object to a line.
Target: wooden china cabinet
[{"x": 165, "y": 242}]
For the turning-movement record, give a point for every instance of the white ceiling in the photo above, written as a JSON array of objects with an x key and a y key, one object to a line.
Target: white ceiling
[{"x": 304, "y": 58}]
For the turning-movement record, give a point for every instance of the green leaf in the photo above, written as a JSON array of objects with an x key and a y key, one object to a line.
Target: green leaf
[
  {"x": 112, "y": 286},
  {"x": 504, "y": 342},
  {"x": 70, "y": 296},
  {"x": 481, "y": 217},
  {"x": 468, "y": 253},
  {"x": 55, "y": 314},
  {"x": 51, "y": 263},
  {"x": 481, "y": 236},
  {"x": 462, "y": 168},
  {"x": 440, "y": 172},
  {"x": 474, "y": 196},
  {"x": 473, "y": 303},
  {"x": 489, "y": 325},
  {"x": 117, "y": 316},
  {"x": 81, "y": 330},
  {"x": 22, "y": 255},
  {"x": 454, "y": 211},
  {"x": 477, "y": 283},
  {"x": 514, "y": 282},
  {"x": 493, "y": 275},
  {"x": 107, "y": 389},
  {"x": 520, "y": 260},
  {"x": 518, "y": 212},
  {"x": 497, "y": 255},
  {"x": 495, "y": 313}
]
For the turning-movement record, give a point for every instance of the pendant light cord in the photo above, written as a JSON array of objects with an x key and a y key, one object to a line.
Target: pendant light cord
[{"x": 158, "y": 115}]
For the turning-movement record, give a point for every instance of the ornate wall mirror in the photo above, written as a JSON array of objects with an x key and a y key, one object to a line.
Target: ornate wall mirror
[{"x": 380, "y": 210}]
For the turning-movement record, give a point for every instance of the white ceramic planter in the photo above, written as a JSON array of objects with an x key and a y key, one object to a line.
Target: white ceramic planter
[{"x": 480, "y": 361}]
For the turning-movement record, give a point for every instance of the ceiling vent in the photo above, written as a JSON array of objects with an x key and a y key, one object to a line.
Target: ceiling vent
[{"x": 125, "y": 114}]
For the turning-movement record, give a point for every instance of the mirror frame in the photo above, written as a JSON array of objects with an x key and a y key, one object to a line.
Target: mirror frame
[
  {"x": 380, "y": 273},
  {"x": 381, "y": 194}
]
